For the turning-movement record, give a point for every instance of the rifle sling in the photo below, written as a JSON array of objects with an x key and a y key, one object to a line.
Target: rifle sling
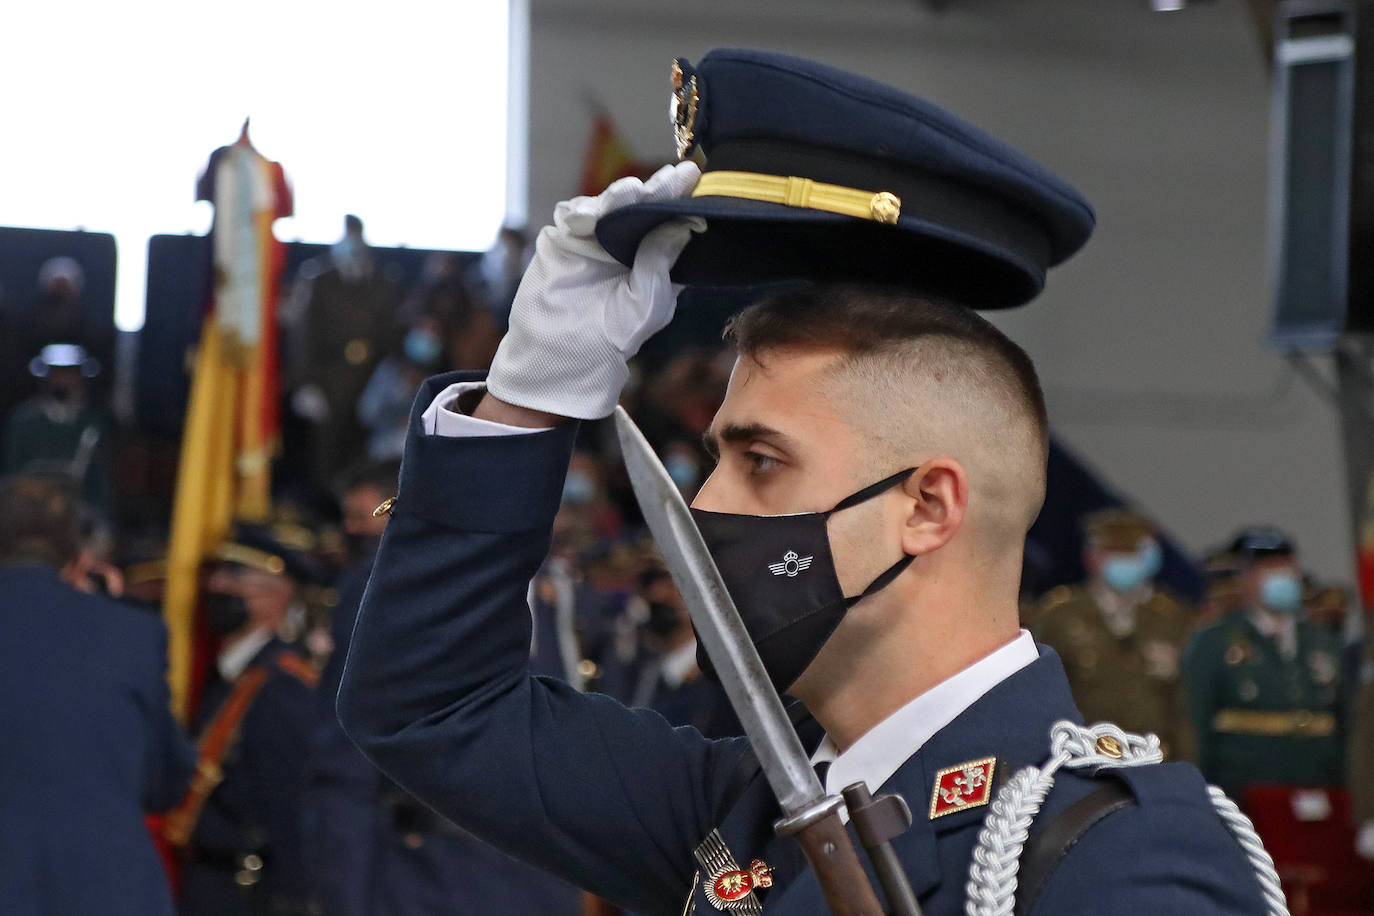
[{"x": 1048, "y": 846}]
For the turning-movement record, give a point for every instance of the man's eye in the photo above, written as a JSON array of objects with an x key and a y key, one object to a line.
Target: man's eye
[{"x": 760, "y": 463}]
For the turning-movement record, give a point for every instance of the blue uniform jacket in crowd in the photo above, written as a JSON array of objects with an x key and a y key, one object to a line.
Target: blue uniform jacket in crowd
[
  {"x": 437, "y": 691},
  {"x": 256, "y": 808},
  {"x": 90, "y": 745},
  {"x": 376, "y": 851}
]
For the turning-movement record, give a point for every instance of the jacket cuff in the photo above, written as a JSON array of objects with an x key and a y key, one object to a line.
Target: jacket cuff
[{"x": 482, "y": 483}]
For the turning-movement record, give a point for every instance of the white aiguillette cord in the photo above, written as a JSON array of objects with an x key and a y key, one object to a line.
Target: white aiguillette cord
[{"x": 996, "y": 859}]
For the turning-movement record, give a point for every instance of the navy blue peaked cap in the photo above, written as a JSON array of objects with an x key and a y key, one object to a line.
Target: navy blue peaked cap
[
  {"x": 259, "y": 547},
  {"x": 815, "y": 173}
]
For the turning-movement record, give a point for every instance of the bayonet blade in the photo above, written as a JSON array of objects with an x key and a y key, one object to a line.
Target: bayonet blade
[{"x": 718, "y": 625}]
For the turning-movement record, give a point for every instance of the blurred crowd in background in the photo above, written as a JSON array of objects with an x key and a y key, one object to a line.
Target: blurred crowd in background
[{"x": 1259, "y": 677}]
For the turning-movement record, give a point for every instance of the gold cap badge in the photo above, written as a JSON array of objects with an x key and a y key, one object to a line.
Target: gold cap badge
[{"x": 682, "y": 110}]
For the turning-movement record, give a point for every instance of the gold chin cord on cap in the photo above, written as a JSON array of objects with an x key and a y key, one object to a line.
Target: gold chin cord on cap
[{"x": 878, "y": 206}]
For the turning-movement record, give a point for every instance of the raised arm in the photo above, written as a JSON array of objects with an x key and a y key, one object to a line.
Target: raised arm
[{"x": 437, "y": 689}]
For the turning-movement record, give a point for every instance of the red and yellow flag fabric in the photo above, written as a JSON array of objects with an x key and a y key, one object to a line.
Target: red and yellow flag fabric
[
  {"x": 608, "y": 157},
  {"x": 232, "y": 416}
]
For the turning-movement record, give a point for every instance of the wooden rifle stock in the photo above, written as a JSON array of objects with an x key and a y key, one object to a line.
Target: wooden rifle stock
[{"x": 842, "y": 878}]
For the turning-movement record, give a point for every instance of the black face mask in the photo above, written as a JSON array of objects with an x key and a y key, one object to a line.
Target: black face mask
[
  {"x": 662, "y": 620},
  {"x": 225, "y": 614},
  {"x": 779, "y": 571}
]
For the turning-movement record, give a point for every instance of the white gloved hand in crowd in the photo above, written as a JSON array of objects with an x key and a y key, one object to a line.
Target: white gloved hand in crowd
[{"x": 580, "y": 314}]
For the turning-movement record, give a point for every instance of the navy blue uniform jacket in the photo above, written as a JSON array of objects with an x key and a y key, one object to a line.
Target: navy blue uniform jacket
[
  {"x": 256, "y": 808},
  {"x": 365, "y": 861},
  {"x": 437, "y": 691},
  {"x": 89, "y": 745}
]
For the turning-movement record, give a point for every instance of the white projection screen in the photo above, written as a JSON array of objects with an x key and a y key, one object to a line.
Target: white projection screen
[{"x": 396, "y": 112}]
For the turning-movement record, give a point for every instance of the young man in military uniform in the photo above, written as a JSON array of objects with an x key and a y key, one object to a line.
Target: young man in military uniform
[
  {"x": 1121, "y": 637},
  {"x": 895, "y": 442},
  {"x": 239, "y": 826},
  {"x": 1264, "y": 684}
]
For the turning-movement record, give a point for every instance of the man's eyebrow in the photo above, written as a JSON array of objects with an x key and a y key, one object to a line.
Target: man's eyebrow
[{"x": 743, "y": 432}]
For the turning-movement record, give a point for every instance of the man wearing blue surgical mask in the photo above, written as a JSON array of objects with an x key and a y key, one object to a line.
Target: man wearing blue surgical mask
[
  {"x": 1263, "y": 682},
  {"x": 1119, "y": 635}
]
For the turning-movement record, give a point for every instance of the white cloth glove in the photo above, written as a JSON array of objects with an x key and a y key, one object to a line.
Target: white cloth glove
[{"x": 580, "y": 314}]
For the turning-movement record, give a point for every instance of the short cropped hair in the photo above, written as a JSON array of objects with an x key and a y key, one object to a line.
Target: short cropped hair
[
  {"x": 896, "y": 346},
  {"x": 40, "y": 520}
]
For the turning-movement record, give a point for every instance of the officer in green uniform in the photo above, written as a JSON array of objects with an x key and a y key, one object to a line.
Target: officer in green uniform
[
  {"x": 62, "y": 431},
  {"x": 1120, "y": 636},
  {"x": 1264, "y": 684}
]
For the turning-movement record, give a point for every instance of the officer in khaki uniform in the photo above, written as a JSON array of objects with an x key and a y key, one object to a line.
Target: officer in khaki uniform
[
  {"x": 341, "y": 322},
  {"x": 1119, "y": 636},
  {"x": 1264, "y": 684}
]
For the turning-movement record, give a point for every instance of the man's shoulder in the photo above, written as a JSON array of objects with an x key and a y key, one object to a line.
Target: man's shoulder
[
  {"x": 1174, "y": 783},
  {"x": 1064, "y": 596},
  {"x": 1152, "y": 786},
  {"x": 26, "y": 413},
  {"x": 1064, "y": 606},
  {"x": 1169, "y": 849},
  {"x": 1321, "y": 638},
  {"x": 1164, "y": 606},
  {"x": 43, "y": 592},
  {"x": 1230, "y": 628},
  {"x": 284, "y": 664},
  {"x": 134, "y": 624}
]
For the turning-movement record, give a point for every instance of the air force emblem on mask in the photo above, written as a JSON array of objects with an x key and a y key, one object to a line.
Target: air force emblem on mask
[{"x": 791, "y": 565}]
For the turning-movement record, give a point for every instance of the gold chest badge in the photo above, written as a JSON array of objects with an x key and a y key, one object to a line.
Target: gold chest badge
[{"x": 726, "y": 885}]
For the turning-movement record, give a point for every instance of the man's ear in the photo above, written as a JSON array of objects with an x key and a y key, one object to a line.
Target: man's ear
[{"x": 939, "y": 488}]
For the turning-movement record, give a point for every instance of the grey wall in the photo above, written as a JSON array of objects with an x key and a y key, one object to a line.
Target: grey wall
[{"x": 1149, "y": 343}]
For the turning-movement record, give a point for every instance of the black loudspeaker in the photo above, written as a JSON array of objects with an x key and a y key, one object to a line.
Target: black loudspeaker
[{"x": 1322, "y": 171}]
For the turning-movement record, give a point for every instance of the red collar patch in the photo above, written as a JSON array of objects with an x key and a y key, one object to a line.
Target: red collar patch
[{"x": 957, "y": 788}]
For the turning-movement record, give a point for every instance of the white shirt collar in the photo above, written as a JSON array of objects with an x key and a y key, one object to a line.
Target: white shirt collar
[
  {"x": 234, "y": 659},
  {"x": 883, "y": 749},
  {"x": 678, "y": 664}
]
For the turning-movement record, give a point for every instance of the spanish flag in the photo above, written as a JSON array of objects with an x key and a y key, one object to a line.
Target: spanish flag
[
  {"x": 608, "y": 157},
  {"x": 232, "y": 417}
]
